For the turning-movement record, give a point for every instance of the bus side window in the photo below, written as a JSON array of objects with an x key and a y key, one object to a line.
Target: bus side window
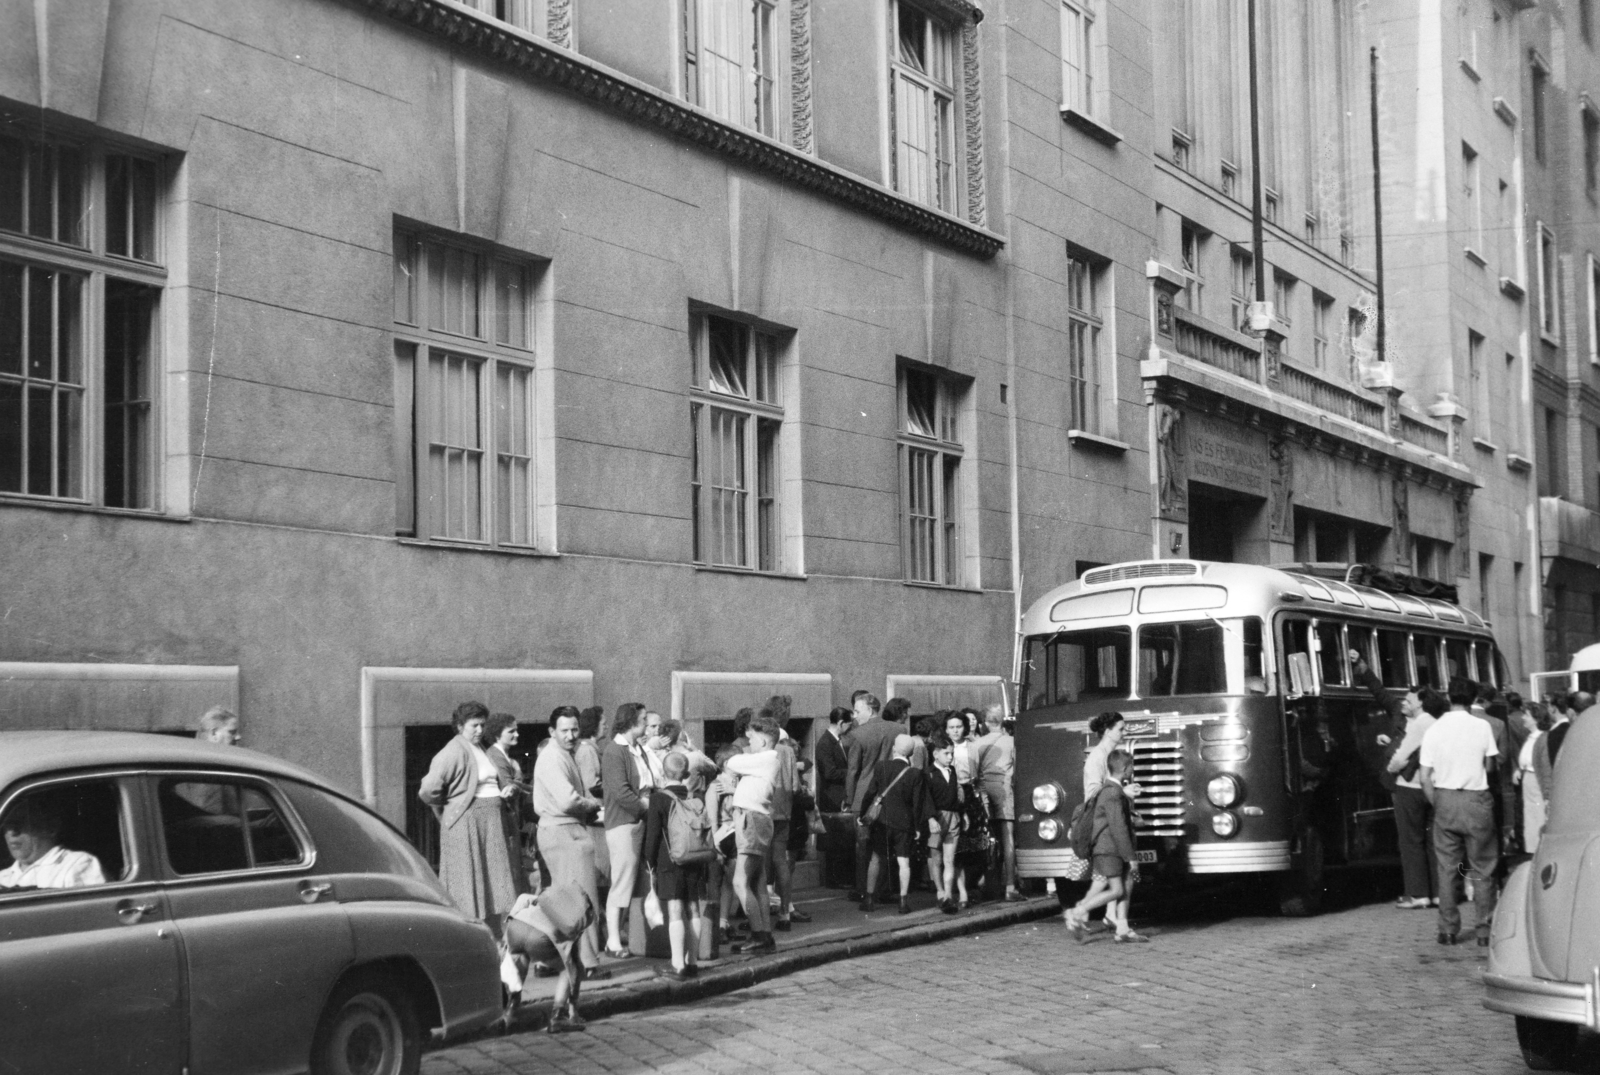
[
  {"x": 1457, "y": 658},
  {"x": 1330, "y": 652},
  {"x": 1296, "y": 642},
  {"x": 1255, "y": 663},
  {"x": 1501, "y": 675},
  {"x": 1483, "y": 655},
  {"x": 1425, "y": 648},
  {"x": 1360, "y": 640},
  {"x": 1394, "y": 660}
]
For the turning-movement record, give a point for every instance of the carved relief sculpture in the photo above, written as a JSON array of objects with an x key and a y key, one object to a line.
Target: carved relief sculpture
[
  {"x": 1163, "y": 311},
  {"x": 1172, "y": 492},
  {"x": 1270, "y": 352},
  {"x": 1463, "y": 504},
  {"x": 1280, "y": 505},
  {"x": 972, "y": 114},
  {"x": 1402, "y": 522},
  {"x": 559, "y": 23},
  {"x": 800, "y": 73}
]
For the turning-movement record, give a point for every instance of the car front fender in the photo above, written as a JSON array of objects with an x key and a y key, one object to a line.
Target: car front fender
[{"x": 1509, "y": 953}]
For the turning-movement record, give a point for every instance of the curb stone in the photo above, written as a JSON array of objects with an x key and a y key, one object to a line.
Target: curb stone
[{"x": 659, "y": 992}]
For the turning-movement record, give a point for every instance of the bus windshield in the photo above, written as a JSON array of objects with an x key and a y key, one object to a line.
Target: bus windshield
[
  {"x": 1078, "y": 666},
  {"x": 1182, "y": 658}
]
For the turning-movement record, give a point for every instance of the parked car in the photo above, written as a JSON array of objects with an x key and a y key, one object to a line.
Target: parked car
[
  {"x": 169, "y": 905},
  {"x": 1544, "y": 953}
]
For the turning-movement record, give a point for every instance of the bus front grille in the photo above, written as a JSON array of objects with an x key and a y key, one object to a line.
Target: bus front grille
[{"x": 1158, "y": 769}]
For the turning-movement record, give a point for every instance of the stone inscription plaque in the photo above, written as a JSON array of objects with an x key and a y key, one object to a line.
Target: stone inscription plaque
[{"x": 1226, "y": 455}]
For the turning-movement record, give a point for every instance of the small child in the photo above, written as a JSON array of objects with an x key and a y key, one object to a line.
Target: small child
[
  {"x": 1113, "y": 855},
  {"x": 543, "y": 931}
]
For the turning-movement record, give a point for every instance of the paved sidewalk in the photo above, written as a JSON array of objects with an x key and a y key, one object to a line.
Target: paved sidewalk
[{"x": 838, "y": 930}]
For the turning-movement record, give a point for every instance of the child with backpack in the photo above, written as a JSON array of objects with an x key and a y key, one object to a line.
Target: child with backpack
[
  {"x": 678, "y": 850},
  {"x": 1104, "y": 836}
]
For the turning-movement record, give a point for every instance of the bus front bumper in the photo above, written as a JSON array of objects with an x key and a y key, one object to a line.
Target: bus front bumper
[{"x": 1266, "y": 856}]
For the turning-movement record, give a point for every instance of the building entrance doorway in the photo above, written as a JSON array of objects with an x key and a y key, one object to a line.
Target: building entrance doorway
[{"x": 1224, "y": 525}]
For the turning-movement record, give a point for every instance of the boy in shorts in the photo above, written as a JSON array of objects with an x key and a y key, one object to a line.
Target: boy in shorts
[
  {"x": 544, "y": 930},
  {"x": 1113, "y": 853},
  {"x": 757, "y": 770}
]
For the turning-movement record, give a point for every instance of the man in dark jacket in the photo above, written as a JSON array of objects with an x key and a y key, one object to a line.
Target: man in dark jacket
[
  {"x": 905, "y": 813},
  {"x": 871, "y": 742},
  {"x": 833, "y": 766}
]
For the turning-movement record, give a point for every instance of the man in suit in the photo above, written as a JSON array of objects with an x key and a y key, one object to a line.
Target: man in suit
[
  {"x": 905, "y": 814},
  {"x": 833, "y": 766},
  {"x": 871, "y": 742}
]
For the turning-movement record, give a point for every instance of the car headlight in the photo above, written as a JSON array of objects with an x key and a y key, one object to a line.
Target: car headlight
[
  {"x": 1223, "y": 790},
  {"x": 1046, "y": 798},
  {"x": 1049, "y": 829},
  {"x": 1224, "y": 824}
]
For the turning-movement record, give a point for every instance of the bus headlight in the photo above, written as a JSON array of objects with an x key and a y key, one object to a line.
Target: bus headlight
[
  {"x": 1047, "y": 799},
  {"x": 1049, "y": 829},
  {"x": 1224, "y": 790},
  {"x": 1224, "y": 824}
]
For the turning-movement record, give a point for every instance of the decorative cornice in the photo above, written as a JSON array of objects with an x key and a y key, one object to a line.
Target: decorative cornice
[{"x": 624, "y": 96}]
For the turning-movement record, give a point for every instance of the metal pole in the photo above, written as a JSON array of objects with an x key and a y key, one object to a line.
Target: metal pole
[
  {"x": 1257, "y": 242},
  {"x": 1377, "y": 212}
]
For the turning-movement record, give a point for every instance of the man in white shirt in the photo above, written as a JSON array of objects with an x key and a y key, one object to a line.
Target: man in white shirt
[
  {"x": 1458, "y": 753},
  {"x": 39, "y": 861},
  {"x": 757, "y": 770}
]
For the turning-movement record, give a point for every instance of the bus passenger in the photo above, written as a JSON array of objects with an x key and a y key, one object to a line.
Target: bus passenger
[{"x": 1112, "y": 853}]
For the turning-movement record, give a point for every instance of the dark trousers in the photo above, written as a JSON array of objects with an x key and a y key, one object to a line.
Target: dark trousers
[
  {"x": 837, "y": 848},
  {"x": 1413, "y": 818},
  {"x": 1465, "y": 840}
]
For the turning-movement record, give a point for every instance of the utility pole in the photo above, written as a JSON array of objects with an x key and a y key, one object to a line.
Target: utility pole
[{"x": 1377, "y": 210}]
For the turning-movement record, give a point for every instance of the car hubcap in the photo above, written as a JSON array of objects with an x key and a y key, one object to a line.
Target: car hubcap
[{"x": 367, "y": 1040}]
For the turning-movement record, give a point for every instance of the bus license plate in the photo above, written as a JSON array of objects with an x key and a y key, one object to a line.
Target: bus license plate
[{"x": 1145, "y": 858}]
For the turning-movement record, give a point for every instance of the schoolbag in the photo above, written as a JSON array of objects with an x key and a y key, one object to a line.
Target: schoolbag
[
  {"x": 1081, "y": 827},
  {"x": 689, "y": 833}
]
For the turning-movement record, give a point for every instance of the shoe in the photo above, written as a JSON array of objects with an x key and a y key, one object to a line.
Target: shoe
[
  {"x": 1412, "y": 903},
  {"x": 782, "y": 925},
  {"x": 758, "y": 944},
  {"x": 1448, "y": 938},
  {"x": 595, "y": 974},
  {"x": 691, "y": 970},
  {"x": 948, "y": 906},
  {"x": 799, "y": 916},
  {"x": 1077, "y": 931},
  {"x": 543, "y": 970},
  {"x": 1015, "y": 897},
  {"x": 963, "y": 905},
  {"x": 1433, "y": 901},
  {"x": 905, "y": 905},
  {"x": 1483, "y": 940},
  {"x": 619, "y": 953},
  {"x": 868, "y": 904},
  {"x": 1130, "y": 937},
  {"x": 854, "y": 897},
  {"x": 565, "y": 1024},
  {"x": 673, "y": 973}
]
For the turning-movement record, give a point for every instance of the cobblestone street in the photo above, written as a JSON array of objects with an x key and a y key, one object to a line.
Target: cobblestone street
[{"x": 1364, "y": 990}]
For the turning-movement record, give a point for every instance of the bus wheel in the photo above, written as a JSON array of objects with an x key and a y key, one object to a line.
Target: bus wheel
[{"x": 1300, "y": 890}]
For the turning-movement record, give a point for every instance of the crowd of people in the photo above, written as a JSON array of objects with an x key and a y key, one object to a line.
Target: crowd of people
[
  {"x": 1470, "y": 770},
  {"x": 635, "y": 818}
]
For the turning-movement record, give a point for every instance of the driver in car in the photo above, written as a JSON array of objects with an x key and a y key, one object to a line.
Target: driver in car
[{"x": 31, "y": 833}]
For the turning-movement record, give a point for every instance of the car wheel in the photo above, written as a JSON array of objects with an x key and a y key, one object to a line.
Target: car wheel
[
  {"x": 1546, "y": 1046},
  {"x": 1300, "y": 890},
  {"x": 368, "y": 1028}
]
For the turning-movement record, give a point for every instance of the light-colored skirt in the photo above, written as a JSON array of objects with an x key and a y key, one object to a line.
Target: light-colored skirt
[{"x": 475, "y": 864}]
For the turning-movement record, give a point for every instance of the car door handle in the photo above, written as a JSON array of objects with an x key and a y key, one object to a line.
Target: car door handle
[
  {"x": 311, "y": 893},
  {"x": 131, "y": 913}
]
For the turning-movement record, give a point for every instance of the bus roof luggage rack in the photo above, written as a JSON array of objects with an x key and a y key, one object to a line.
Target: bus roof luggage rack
[
  {"x": 1377, "y": 578},
  {"x": 1140, "y": 569}
]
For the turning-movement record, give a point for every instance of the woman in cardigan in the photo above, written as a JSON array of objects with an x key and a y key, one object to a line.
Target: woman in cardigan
[
  {"x": 500, "y": 735},
  {"x": 626, "y": 779},
  {"x": 464, "y": 790}
]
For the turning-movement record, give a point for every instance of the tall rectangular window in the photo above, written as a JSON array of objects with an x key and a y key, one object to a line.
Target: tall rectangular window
[
  {"x": 1191, "y": 258},
  {"x": 464, "y": 394},
  {"x": 1472, "y": 198},
  {"x": 1084, "y": 322},
  {"x": 81, "y": 282},
  {"x": 1593, "y": 279},
  {"x": 1283, "y": 297},
  {"x": 923, "y": 79},
  {"x": 1549, "y": 308},
  {"x": 1081, "y": 77},
  {"x": 1485, "y": 579},
  {"x": 1538, "y": 106},
  {"x": 1591, "y": 149},
  {"x": 1479, "y": 380},
  {"x": 1552, "y": 453},
  {"x": 736, "y": 414},
  {"x": 734, "y": 52},
  {"x": 1321, "y": 314},
  {"x": 1242, "y": 285},
  {"x": 1513, "y": 393},
  {"x": 932, "y": 450}
]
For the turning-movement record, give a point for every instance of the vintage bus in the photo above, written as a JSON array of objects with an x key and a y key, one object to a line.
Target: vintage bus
[{"x": 1254, "y": 746}]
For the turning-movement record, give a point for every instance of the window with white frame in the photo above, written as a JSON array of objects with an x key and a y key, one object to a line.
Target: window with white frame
[
  {"x": 1242, "y": 285},
  {"x": 736, "y": 412},
  {"x": 1082, "y": 78},
  {"x": 1084, "y": 322},
  {"x": 932, "y": 500},
  {"x": 1479, "y": 379},
  {"x": 733, "y": 55},
  {"x": 1472, "y": 198},
  {"x": 1591, "y": 147},
  {"x": 1191, "y": 255},
  {"x": 530, "y": 15},
  {"x": 1538, "y": 106},
  {"x": 466, "y": 443},
  {"x": 1283, "y": 297},
  {"x": 81, "y": 282},
  {"x": 1549, "y": 310},
  {"x": 1594, "y": 309},
  {"x": 1321, "y": 314},
  {"x": 922, "y": 106}
]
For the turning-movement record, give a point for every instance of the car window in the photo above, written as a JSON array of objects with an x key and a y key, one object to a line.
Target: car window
[
  {"x": 351, "y": 839},
  {"x": 64, "y": 835},
  {"x": 215, "y": 825}
]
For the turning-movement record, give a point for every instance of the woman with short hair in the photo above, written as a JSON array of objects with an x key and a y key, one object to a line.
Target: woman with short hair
[
  {"x": 463, "y": 788},
  {"x": 626, "y": 779}
]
